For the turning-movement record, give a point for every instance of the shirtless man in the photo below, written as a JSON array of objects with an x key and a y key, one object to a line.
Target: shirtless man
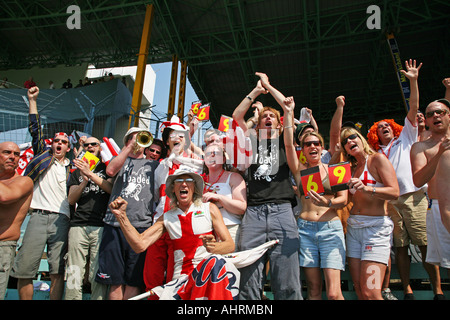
[
  {"x": 442, "y": 179},
  {"x": 16, "y": 192},
  {"x": 425, "y": 156}
]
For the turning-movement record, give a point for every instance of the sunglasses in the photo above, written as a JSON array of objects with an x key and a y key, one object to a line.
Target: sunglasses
[
  {"x": 60, "y": 140},
  {"x": 87, "y": 144},
  {"x": 439, "y": 112},
  {"x": 316, "y": 143},
  {"x": 154, "y": 151},
  {"x": 351, "y": 137},
  {"x": 180, "y": 180},
  {"x": 176, "y": 135},
  {"x": 212, "y": 153}
]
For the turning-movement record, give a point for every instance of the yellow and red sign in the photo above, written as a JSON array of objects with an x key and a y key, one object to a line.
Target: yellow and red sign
[
  {"x": 339, "y": 175},
  {"x": 225, "y": 123},
  {"x": 195, "y": 106},
  {"x": 203, "y": 113},
  {"x": 311, "y": 180}
]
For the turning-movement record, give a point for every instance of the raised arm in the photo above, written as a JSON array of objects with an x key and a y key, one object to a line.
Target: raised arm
[
  {"x": 446, "y": 83},
  {"x": 34, "y": 126},
  {"x": 291, "y": 155},
  {"x": 241, "y": 110},
  {"x": 336, "y": 124},
  {"x": 412, "y": 74},
  {"x": 117, "y": 162}
]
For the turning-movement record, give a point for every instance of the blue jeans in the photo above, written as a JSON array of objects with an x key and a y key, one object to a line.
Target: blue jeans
[
  {"x": 261, "y": 224},
  {"x": 322, "y": 244}
]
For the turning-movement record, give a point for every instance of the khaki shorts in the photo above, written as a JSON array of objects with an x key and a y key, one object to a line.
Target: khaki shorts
[
  {"x": 43, "y": 230},
  {"x": 409, "y": 213}
]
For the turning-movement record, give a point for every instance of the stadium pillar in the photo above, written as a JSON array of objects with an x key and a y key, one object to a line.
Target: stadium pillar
[
  {"x": 182, "y": 89},
  {"x": 173, "y": 87},
  {"x": 141, "y": 65}
]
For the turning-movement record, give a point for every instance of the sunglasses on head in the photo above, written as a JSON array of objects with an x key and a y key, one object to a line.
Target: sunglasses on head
[
  {"x": 87, "y": 144},
  {"x": 351, "y": 137},
  {"x": 181, "y": 180},
  {"x": 61, "y": 140},
  {"x": 316, "y": 143},
  {"x": 439, "y": 112}
]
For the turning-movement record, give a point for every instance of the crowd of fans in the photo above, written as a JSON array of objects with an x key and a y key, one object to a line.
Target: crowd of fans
[{"x": 155, "y": 212}]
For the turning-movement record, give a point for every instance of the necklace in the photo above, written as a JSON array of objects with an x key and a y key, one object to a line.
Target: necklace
[
  {"x": 211, "y": 184},
  {"x": 389, "y": 149}
]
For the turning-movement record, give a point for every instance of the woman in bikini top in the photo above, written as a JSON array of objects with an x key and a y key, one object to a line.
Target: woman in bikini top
[{"x": 376, "y": 180}]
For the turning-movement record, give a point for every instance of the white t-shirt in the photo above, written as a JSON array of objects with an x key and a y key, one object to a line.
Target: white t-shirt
[
  {"x": 50, "y": 190},
  {"x": 224, "y": 188},
  {"x": 398, "y": 152}
]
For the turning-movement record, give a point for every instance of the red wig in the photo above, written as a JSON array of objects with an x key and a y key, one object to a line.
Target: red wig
[{"x": 372, "y": 135}]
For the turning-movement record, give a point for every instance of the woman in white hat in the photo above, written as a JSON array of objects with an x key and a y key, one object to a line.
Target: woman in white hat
[{"x": 195, "y": 228}]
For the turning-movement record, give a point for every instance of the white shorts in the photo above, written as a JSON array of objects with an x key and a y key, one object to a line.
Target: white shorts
[
  {"x": 369, "y": 238},
  {"x": 438, "y": 249}
]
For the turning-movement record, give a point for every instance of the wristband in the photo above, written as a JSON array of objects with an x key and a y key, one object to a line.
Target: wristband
[
  {"x": 373, "y": 191},
  {"x": 330, "y": 204},
  {"x": 249, "y": 98},
  {"x": 288, "y": 127}
]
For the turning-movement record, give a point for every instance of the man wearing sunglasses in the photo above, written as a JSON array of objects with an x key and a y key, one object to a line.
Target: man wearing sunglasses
[
  {"x": 156, "y": 151},
  {"x": 89, "y": 190},
  {"x": 425, "y": 156},
  {"x": 49, "y": 220},
  {"x": 409, "y": 211}
]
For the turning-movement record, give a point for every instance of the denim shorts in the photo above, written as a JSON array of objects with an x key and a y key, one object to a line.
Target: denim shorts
[{"x": 322, "y": 244}]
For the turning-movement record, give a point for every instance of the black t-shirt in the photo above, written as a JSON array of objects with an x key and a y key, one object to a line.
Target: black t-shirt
[
  {"x": 91, "y": 206},
  {"x": 268, "y": 176}
]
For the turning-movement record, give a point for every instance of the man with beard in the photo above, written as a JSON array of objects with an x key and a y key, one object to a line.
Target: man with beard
[
  {"x": 16, "y": 192},
  {"x": 49, "y": 220}
]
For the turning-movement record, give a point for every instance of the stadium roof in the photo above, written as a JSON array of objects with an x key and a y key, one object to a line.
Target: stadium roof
[{"x": 313, "y": 50}]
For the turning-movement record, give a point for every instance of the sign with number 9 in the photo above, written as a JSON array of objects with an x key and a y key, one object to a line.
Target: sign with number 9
[{"x": 339, "y": 174}]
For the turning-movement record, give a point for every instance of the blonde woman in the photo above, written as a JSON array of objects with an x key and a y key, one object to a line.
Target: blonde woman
[{"x": 369, "y": 231}]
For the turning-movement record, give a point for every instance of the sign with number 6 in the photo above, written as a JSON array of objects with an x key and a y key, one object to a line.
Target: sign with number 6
[
  {"x": 203, "y": 113},
  {"x": 311, "y": 180}
]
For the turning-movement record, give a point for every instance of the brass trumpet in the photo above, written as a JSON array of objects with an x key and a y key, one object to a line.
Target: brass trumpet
[{"x": 144, "y": 139}]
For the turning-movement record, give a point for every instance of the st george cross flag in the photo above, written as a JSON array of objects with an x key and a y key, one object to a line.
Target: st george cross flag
[{"x": 214, "y": 278}]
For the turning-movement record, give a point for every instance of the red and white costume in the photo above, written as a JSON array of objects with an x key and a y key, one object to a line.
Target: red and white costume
[{"x": 184, "y": 230}]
